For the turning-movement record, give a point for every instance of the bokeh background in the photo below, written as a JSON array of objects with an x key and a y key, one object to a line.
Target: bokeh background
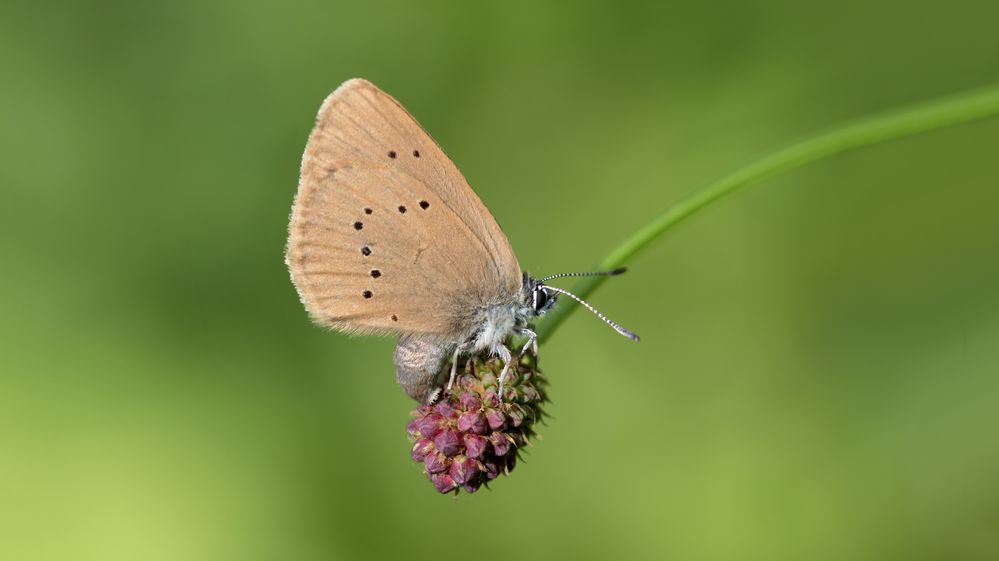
[{"x": 819, "y": 371}]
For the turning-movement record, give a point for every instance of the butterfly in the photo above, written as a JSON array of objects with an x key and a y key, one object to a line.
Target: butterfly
[{"x": 386, "y": 237}]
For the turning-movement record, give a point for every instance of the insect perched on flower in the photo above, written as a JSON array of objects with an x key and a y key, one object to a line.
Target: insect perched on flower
[
  {"x": 470, "y": 437},
  {"x": 387, "y": 237}
]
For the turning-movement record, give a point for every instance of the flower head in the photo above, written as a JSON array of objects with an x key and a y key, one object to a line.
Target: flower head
[{"x": 470, "y": 437}]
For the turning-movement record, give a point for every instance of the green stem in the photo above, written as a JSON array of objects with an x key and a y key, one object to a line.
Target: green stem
[{"x": 907, "y": 121}]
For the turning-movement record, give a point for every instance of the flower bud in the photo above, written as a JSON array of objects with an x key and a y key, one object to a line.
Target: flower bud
[
  {"x": 472, "y": 422},
  {"x": 435, "y": 462},
  {"x": 422, "y": 448},
  {"x": 475, "y": 446},
  {"x": 443, "y": 482},
  {"x": 448, "y": 442},
  {"x": 463, "y": 469}
]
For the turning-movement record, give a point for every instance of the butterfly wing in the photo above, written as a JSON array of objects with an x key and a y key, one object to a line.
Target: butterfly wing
[{"x": 386, "y": 235}]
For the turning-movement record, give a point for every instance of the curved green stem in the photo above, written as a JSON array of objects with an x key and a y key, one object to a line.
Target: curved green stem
[{"x": 939, "y": 113}]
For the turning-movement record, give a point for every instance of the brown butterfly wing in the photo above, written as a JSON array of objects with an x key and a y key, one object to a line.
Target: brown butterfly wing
[{"x": 386, "y": 235}]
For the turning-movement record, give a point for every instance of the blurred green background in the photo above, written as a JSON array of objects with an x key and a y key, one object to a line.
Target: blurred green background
[{"x": 818, "y": 372}]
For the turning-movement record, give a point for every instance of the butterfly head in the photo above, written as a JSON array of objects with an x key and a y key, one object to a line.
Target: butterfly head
[{"x": 539, "y": 298}]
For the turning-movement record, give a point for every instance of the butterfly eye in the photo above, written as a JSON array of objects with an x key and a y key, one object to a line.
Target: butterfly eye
[{"x": 540, "y": 299}]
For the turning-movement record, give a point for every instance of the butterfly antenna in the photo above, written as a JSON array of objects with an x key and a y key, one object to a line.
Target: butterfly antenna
[
  {"x": 586, "y": 304},
  {"x": 617, "y": 271}
]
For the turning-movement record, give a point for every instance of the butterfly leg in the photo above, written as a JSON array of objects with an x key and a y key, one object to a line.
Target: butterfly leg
[
  {"x": 532, "y": 342},
  {"x": 504, "y": 353},
  {"x": 454, "y": 368}
]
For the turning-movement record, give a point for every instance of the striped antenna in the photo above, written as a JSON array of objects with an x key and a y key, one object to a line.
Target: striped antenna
[
  {"x": 616, "y": 327},
  {"x": 617, "y": 271}
]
